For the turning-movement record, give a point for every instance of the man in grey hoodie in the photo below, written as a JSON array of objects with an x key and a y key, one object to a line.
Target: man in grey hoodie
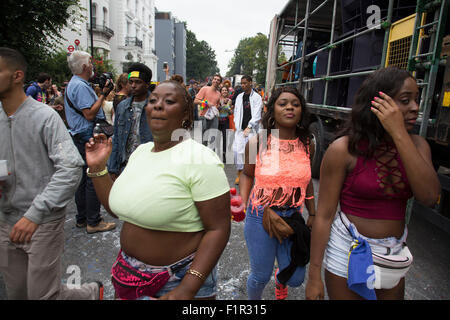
[{"x": 44, "y": 171}]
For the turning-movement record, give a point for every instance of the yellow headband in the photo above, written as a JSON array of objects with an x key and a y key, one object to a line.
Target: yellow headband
[{"x": 133, "y": 74}]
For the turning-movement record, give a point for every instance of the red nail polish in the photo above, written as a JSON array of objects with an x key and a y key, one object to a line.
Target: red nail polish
[{"x": 380, "y": 92}]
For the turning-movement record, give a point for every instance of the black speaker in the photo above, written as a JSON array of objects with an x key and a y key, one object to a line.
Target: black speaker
[
  {"x": 321, "y": 63},
  {"x": 367, "y": 51},
  {"x": 337, "y": 92},
  {"x": 314, "y": 40},
  {"x": 351, "y": 15},
  {"x": 341, "y": 59},
  {"x": 353, "y": 85}
]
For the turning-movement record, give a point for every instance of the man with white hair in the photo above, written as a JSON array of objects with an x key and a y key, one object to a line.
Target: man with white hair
[{"x": 83, "y": 107}]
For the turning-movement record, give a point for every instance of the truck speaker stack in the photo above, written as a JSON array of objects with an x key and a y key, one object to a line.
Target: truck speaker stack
[{"x": 359, "y": 54}]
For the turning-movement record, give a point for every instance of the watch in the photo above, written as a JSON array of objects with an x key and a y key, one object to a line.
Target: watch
[{"x": 249, "y": 126}]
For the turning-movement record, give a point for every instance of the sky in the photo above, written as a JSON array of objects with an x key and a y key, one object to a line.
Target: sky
[{"x": 222, "y": 24}]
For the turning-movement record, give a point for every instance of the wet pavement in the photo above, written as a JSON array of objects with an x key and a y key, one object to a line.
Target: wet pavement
[{"x": 93, "y": 255}]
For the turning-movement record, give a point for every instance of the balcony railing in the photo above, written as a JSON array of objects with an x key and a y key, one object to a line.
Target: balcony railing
[
  {"x": 101, "y": 28},
  {"x": 133, "y": 42}
]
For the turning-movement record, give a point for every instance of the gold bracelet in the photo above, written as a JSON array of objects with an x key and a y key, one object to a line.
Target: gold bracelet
[
  {"x": 102, "y": 173},
  {"x": 196, "y": 273}
]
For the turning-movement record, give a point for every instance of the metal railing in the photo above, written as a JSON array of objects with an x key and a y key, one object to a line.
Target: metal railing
[
  {"x": 133, "y": 42},
  {"x": 101, "y": 28}
]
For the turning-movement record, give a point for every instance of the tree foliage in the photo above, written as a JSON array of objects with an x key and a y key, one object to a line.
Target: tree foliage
[
  {"x": 200, "y": 58},
  {"x": 250, "y": 58},
  {"x": 56, "y": 65},
  {"x": 34, "y": 27}
]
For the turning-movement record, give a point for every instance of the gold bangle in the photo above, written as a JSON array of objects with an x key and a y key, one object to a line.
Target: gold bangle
[
  {"x": 102, "y": 173},
  {"x": 196, "y": 273}
]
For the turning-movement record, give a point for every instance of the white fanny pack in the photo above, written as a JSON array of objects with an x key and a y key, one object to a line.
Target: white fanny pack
[
  {"x": 211, "y": 113},
  {"x": 389, "y": 268}
]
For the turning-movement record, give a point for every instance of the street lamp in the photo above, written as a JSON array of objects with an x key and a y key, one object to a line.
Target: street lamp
[{"x": 90, "y": 29}]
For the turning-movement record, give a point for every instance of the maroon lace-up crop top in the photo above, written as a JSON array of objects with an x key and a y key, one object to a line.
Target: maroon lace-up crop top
[{"x": 377, "y": 188}]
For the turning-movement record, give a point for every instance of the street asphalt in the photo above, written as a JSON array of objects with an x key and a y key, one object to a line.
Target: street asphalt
[{"x": 93, "y": 255}]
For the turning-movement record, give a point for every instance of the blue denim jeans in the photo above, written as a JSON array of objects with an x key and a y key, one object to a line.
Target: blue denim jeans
[
  {"x": 263, "y": 250},
  {"x": 88, "y": 205},
  {"x": 207, "y": 290}
]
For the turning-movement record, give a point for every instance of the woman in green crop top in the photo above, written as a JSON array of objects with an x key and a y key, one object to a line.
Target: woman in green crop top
[{"x": 183, "y": 220}]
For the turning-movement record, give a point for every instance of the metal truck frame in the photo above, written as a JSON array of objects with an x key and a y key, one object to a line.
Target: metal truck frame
[{"x": 411, "y": 34}]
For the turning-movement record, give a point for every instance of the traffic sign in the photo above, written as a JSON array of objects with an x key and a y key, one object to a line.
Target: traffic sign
[
  {"x": 70, "y": 48},
  {"x": 77, "y": 42}
]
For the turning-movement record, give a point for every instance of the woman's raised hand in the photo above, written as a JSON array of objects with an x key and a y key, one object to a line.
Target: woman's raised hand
[
  {"x": 98, "y": 150},
  {"x": 389, "y": 114}
]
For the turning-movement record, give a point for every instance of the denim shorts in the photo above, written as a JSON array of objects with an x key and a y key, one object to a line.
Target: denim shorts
[
  {"x": 336, "y": 253},
  {"x": 207, "y": 290}
]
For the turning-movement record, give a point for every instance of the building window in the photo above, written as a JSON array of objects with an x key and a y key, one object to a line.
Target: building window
[
  {"x": 128, "y": 29},
  {"x": 105, "y": 17},
  {"x": 94, "y": 14}
]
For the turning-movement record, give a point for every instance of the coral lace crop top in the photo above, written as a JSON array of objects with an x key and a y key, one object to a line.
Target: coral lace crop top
[
  {"x": 280, "y": 171},
  {"x": 377, "y": 188}
]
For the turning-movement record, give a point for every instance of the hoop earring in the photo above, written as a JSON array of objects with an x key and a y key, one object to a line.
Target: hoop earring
[{"x": 186, "y": 124}]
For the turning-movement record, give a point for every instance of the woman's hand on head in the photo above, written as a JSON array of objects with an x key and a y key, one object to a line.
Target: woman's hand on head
[
  {"x": 389, "y": 114},
  {"x": 98, "y": 150}
]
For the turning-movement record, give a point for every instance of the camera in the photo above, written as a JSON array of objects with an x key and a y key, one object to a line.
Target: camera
[{"x": 102, "y": 79}]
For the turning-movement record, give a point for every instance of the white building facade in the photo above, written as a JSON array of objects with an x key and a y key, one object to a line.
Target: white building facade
[{"x": 123, "y": 32}]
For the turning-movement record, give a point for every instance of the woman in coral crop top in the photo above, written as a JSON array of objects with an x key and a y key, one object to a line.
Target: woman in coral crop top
[
  {"x": 281, "y": 172},
  {"x": 174, "y": 199},
  {"x": 372, "y": 170}
]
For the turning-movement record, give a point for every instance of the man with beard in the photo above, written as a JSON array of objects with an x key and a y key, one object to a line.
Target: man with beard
[
  {"x": 44, "y": 171},
  {"x": 83, "y": 107}
]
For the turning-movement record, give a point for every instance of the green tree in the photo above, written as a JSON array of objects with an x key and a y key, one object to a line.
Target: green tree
[
  {"x": 34, "y": 27},
  {"x": 56, "y": 65},
  {"x": 102, "y": 65},
  {"x": 250, "y": 57},
  {"x": 200, "y": 58}
]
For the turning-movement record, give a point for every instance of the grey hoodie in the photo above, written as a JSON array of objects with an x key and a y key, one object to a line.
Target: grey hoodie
[{"x": 44, "y": 163}]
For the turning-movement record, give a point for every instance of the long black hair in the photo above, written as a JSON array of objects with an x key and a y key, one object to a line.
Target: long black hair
[
  {"x": 364, "y": 124},
  {"x": 301, "y": 130}
]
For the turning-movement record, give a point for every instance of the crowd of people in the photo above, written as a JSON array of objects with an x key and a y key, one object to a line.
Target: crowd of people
[{"x": 117, "y": 146}]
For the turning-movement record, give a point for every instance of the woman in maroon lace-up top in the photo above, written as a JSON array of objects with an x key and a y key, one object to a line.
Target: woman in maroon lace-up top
[{"x": 372, "y": 170}]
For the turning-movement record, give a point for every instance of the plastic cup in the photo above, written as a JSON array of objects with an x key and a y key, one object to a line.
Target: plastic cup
[{"x": 3, "y": 169}]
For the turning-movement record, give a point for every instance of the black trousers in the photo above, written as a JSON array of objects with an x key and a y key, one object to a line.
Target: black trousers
[{"x": 88, "y": 205}]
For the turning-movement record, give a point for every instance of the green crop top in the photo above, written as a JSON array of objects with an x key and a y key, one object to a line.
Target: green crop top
[{"x": 157, "y": 190}]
